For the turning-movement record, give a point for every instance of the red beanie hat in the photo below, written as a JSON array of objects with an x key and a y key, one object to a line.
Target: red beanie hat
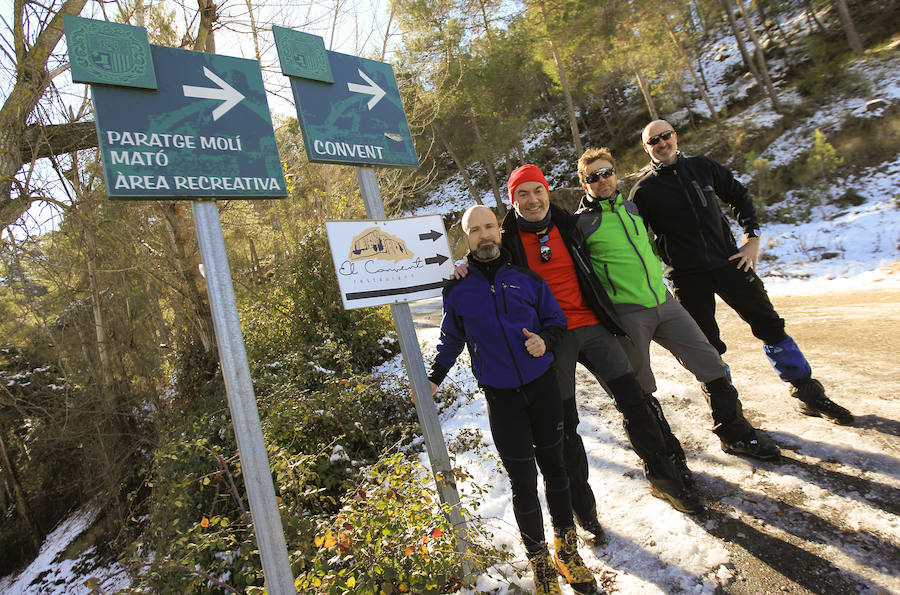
[{"x": 526, "y": 173}]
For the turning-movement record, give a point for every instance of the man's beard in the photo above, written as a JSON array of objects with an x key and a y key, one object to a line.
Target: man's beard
[{"x": 487, "y": 252}]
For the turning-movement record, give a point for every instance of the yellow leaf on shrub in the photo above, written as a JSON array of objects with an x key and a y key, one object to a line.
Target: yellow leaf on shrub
[
  {"x": 409, "y": 551},
  {"x": 351, "y": 582},
  {"x": 204, "y": 522},
  {"x": 319, "y": 540},
  {"x": 329, "y": 540}
]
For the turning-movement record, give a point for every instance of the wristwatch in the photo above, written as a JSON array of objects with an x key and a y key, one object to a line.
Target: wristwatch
[{"x": 753, "y": 232}]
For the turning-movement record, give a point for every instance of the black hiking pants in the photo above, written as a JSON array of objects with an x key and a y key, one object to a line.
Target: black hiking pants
[{"x": 527, "y": 426}]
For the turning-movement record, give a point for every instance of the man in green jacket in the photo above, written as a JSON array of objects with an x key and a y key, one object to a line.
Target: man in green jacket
[{"x": 626, "y": 262}]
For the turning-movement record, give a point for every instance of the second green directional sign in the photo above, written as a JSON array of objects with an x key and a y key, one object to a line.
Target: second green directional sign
[{"x": 357, "y": 119}]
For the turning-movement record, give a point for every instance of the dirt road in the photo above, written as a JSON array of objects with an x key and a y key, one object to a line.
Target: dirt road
[{"x": 844, "y": 532}]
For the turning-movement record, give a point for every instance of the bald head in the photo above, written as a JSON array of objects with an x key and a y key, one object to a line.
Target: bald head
[
  {"x": 479, "y": 212},
  {"x": 482, "y": 232},
  {"x": 660, "y": 141}
]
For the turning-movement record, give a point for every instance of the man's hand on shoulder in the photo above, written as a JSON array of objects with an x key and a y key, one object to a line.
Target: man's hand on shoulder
[
  {"x": 748, "y": 254},
  {"x": 460, "y": 271}
]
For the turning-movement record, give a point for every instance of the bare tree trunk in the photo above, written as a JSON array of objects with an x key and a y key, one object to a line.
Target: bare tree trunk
[
  {"x": 197, "y": 312},
  {"x": 459, "y": 165},
  {"x": 90, "y": 249},
  {"x": 12, "y": 478},
  {"x": 337, "y": 11},
  {"x": 487, "y": 25},
  {"x": 254, "y": 32},
  {"x": 811, "y": 15},
  {"x": 687, "y": 62},
  {"x": 387, "y": 32},
  {"x": 255, "y": 272},
  {"x": 849, "y": 29},
  {"x": 32, "y": 79},
  {"x": 745, "y": 55},
  {"x": 570, "y": 105},
  {"x": 645, "y": 90},
  {"x": 488, "y": 166},
  {"x": 760, "y": 59}
]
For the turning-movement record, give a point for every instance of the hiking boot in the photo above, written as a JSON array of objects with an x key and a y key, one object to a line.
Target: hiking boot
[
  {"x": 546, "y": 581},
  {"x": 684, "y": 501},
  {"x": 569, "y": 563},
  {"x": 756, "y": 444},
  {"x": 684, "y": 472},
  {"x": 814, "y": 403},
  {"x": 593, "y": 527}
]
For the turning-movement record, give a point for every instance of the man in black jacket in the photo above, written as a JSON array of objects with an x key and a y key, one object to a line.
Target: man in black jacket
[{"x": 677, "y": 199}]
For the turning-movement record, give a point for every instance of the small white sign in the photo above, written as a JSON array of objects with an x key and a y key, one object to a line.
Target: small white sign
[{"x": 389, "y": 262}]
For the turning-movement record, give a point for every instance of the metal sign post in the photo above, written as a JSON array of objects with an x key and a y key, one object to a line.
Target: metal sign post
[
  {"x": 242, "y": 401},
  {"x": 415, "y": 368}
]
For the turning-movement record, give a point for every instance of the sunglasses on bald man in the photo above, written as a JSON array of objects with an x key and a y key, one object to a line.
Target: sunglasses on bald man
[{"x": 661, "y": 136}]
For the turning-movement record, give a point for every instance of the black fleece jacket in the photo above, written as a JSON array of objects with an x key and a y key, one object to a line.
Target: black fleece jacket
[{"x": 679, "y": 204}]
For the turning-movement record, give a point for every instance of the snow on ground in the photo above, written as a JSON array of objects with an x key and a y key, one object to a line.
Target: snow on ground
[{"x": 51, "y": 573}]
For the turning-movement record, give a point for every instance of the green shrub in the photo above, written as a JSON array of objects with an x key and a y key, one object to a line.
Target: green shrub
[
  {"x": 766, "y": 183},
  {"x": 299, "y": 315},
  {"x": 392, "y": 536}
]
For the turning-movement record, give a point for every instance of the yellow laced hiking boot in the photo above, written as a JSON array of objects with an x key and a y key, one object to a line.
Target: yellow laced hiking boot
[
  {"x": 568, "y": 563},
  {"x": 546, "y": 581}
]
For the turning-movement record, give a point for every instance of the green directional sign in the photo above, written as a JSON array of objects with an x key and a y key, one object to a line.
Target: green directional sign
[
  {"x": 358, "y": 119},
  {"x": 204, "y": 132}
]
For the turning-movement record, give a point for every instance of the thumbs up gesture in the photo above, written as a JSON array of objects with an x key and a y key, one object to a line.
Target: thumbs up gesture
[{"x": 534, "y": 344}]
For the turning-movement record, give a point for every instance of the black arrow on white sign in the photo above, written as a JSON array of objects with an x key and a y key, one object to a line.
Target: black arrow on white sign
[
  {"x": 438, "y": 259},
  {"x": 431, "y": 235}
]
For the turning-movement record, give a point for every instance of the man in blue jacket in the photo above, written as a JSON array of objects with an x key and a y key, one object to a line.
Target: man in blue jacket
[
  {"x": 678, "y": 199},
  {"x": 509, "y": 321}
]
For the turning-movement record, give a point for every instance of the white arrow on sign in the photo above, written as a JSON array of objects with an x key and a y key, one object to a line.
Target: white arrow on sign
[
  {"x": 229, "y": 95},
  {"x": 371, "y": 89}
]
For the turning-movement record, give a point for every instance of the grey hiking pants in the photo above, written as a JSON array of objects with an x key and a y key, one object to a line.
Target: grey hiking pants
[{"x": 671, "y": 326}]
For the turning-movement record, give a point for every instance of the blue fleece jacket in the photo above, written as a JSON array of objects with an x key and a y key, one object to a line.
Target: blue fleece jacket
[{"x": 488, "y": 318}]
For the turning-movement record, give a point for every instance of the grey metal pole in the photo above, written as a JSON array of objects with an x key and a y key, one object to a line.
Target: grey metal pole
[
  {"x": 415, "y": 368},
  {"x": 242, "y": 401}
]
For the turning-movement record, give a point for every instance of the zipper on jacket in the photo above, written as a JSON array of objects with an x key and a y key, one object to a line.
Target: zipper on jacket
[
  {"x": 700, "y": 193},
  {"x": 609, "y": 279},
  {"x": 503, "y": 330},
  {"x": 696, "y": 216},
  {"x": 637, "y": 253}
]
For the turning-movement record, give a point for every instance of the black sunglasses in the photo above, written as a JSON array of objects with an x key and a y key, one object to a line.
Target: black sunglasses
[
  {"x": 662, "y": 135},
  {"x": 603, "y": 172},
  {"x": 545, "y": 248}
]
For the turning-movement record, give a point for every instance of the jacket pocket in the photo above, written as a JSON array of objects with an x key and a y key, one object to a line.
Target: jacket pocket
[
  {"x": 609, "y": 279},
  {"x": 700, "y": 193}
]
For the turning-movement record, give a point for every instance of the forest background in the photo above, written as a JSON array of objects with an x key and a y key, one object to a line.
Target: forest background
[{"x": 110, "y": 394}]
